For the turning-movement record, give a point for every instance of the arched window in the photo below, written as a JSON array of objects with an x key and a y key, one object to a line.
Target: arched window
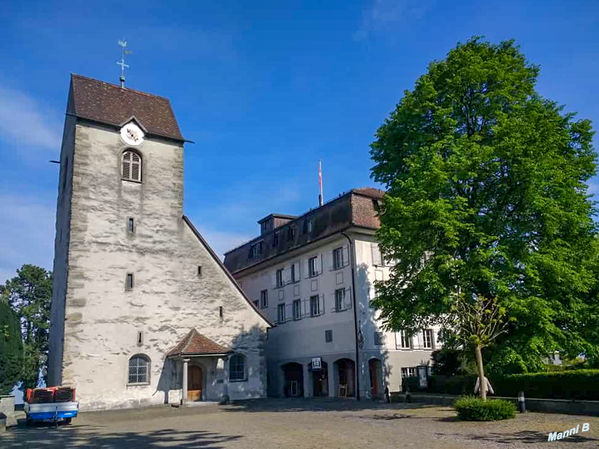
[
  {"x": 139, "y": 369},
  {"x": 237, "y": 367},
  {"x": 131, "y": 166}
]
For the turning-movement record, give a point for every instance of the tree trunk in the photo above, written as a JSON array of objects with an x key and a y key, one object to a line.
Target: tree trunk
[{"x": 482, "y": 382}]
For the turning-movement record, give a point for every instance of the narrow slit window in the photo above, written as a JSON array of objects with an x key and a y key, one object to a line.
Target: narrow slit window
[
  {"x": 199, "y": 270},
  {"x": 140, "y": 339},
  {"x": 129, "y": 281},
  {"x": 131, "y": 225},
  {"x": 220, "y": 311}
]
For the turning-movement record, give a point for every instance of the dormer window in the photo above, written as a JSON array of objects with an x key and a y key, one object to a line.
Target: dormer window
[{"x": 131, "y": 166}]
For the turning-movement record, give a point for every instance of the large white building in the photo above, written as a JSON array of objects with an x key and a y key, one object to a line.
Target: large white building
[
  {"x": 143, "y": 311},
  {"x": 314, "y": 276}
]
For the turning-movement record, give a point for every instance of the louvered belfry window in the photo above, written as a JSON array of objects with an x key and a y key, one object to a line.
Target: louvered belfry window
[{"x": 131, "y": 166}]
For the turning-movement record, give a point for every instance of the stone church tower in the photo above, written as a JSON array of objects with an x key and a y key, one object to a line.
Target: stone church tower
[{"x": 143, "y": 311}]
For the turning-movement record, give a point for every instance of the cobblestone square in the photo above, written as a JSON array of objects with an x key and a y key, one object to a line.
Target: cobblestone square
[{"x": 277, "y": 423}]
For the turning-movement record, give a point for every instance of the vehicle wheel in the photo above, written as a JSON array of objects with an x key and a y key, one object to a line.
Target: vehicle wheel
[{"x": 68, "y": 420}]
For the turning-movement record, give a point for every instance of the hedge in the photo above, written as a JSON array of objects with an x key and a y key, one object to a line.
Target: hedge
[
  {"x": 470, "y": 408},
  {"x": 579, "y": 384}
]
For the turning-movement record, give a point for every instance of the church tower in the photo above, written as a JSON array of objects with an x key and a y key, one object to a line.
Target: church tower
[{"x": 143, "y": 311}]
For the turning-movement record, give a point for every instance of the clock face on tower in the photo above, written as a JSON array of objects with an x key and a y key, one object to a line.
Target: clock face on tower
[{"x": 131, "y": 134}]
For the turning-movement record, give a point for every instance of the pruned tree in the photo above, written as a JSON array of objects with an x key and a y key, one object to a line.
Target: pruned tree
[{"x": 477, "y": 322}]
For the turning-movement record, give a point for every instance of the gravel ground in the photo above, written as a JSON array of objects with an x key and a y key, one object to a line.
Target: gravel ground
[{"x": 300, "y": 423}]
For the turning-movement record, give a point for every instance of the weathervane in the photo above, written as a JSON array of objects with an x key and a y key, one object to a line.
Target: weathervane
[{"x": 123, "y": 45}]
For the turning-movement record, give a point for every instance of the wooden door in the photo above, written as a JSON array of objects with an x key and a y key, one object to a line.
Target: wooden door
[
  {"x": 194, "y": 380},
  {"x": 373, "y": 366}
]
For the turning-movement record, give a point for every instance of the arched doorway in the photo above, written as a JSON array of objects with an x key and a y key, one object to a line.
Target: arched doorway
[
  {"x": 346, "y": 378},
  {"x": 294, "y": 380},
  {"x": 194, "y": 383},
  {"x": 375, "y": 371},
  {"x": 320, "y": 379}
]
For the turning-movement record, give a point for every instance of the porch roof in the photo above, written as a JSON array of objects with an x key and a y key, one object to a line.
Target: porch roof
[{"x": 196, "y": 344}]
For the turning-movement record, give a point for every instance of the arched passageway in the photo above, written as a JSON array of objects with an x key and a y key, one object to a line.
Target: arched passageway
[
  {"x": 294, "y": 380},
  {"x": 345, "y": 370}
]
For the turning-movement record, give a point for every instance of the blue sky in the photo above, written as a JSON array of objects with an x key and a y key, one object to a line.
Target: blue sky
[{"x": 265, "y": 89}]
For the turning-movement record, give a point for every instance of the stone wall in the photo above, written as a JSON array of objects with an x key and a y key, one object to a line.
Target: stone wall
[{"x": 101, "y": 317}]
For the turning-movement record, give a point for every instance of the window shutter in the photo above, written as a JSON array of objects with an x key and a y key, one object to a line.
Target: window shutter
[
  {"x": 126, "y": 168},
  {"x": 376, "y": 254},
  {"x": 331, "y": 256},
  {"x": 306, "y": 303},
  {"x": 297, "y": 271},
  {"x": 273, "y": 278},
  {"x": 135, "y": 171},
  {"x": 321, "y": 304},
  {"x": 287, "y": 275},
  {"x": 306, "y": 268},
  {"x": 319, "y": 264},
  {"x": 345, "y": 255},
  {"x": 347, "y": 302}
]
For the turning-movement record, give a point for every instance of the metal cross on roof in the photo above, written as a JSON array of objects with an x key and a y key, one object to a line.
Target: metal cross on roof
[{"x": 123, "y": 45}]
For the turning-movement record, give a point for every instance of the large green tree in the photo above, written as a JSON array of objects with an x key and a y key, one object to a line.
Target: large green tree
[
  {"x": 487, "y": 201},
  {"x": 29, "y": 294},
  {"x": 11, "y": 348}
]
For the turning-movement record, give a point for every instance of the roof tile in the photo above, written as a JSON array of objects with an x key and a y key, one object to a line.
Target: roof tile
[
  {"x": 195, "y": 343},
  {"x": 110, "y": 104}
]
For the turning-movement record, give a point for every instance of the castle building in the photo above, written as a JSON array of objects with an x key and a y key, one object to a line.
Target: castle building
[
  {"x": 143, "y": 311},
  {"x": 314, "y": 276}
]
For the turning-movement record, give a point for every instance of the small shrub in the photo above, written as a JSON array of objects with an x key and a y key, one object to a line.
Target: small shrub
[{"x": 471, "y": 408}]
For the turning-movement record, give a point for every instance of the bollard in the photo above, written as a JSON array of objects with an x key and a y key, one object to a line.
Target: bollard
[{"x": 521, "y": 402}]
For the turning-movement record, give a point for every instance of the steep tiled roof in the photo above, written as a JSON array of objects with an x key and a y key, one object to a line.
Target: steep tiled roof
[
  {"x": 195, "y": 343},
  {"x": 110, "y": 104}
]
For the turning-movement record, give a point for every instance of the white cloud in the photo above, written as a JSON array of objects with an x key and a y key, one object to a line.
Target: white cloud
[
  {"x": 25, "y": 122},
  {"x": 384, "y": 14},
  {"x": 26, "y": 233}
]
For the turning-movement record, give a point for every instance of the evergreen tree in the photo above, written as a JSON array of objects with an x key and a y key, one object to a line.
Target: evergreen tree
[
  {"x": 29, "y": 295},
  {"x": 11, "y": 348}
]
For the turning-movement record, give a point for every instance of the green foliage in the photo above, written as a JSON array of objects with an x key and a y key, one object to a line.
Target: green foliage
[
  {"x": 575, "y": 384},
  {"x": 446, "y": 361},
  {"x": 470, "y": 408},
  {"x": 11, "y": 348},
  {"x": 29, "y": 295},
  {"x": 487, "y": 197},
  {"x": 571, "y": 384}
]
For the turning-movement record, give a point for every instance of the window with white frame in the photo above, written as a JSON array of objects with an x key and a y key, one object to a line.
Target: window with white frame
[
  {"x": 139, "y": 369},
  {"x": 313, "y": 266},
  {"x": 281, "y": 313},
  {"x": 294, "y": 275},
  {"x": 131, "y": 166},
  {"x": 279, "y": 278},
  {"x": 264, "y": 299},
  {"x": 314, "y": 305},
  {"x": 403, "y": 340},
  {"x": 338, "y": 261},
  {"x": 409, "y": 372},
  {"x": 297, "y": 309},
  {"x": 237, "y": 368},
  {"x": 427, "y": 338},
  {"x": 339, "y": 299}
]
